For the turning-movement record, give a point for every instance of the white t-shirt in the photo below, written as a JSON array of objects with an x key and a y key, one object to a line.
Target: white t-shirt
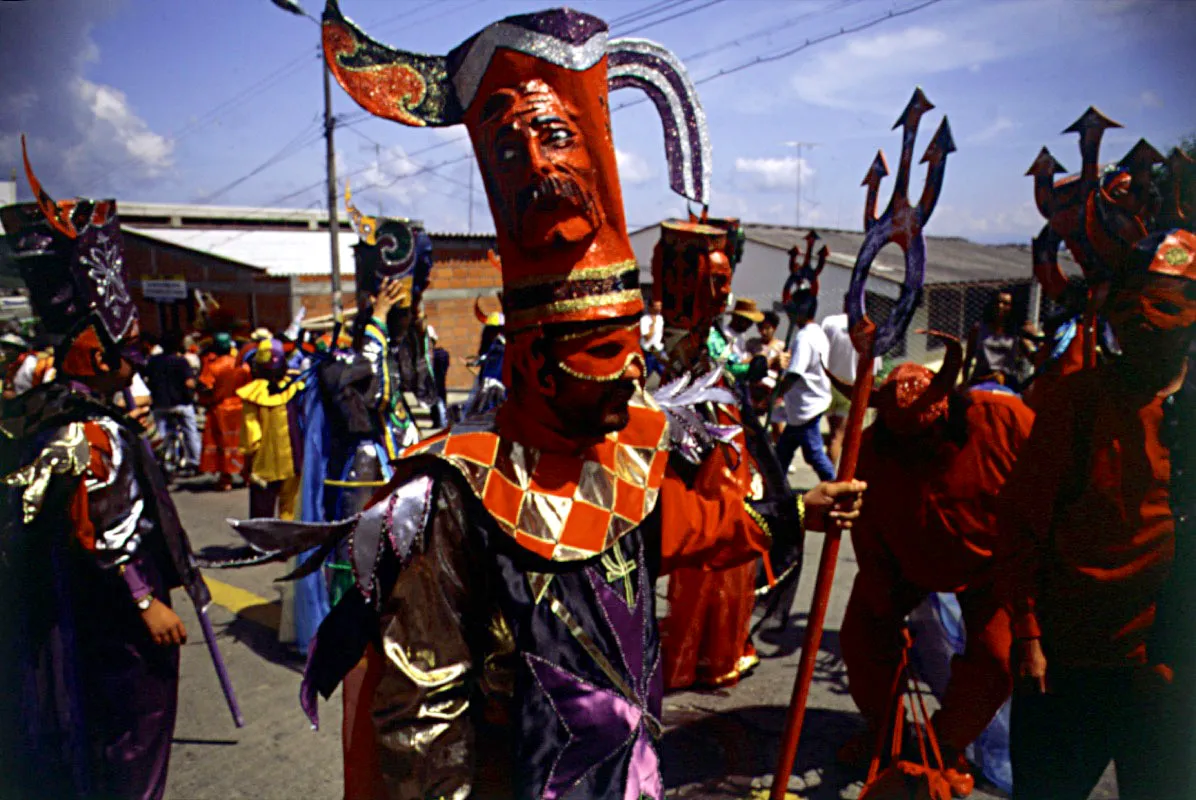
[
  {"x": 842, "y": 359},
  {"x": 652, "y": 333},
  {"x": 810, "y": 395}
]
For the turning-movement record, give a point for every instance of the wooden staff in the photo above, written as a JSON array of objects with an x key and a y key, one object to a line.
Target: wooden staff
[{"x": 901, "y": 224}]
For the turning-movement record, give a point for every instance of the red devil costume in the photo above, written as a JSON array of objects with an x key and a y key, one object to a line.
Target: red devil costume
[
  {"x": 1089, "y": 523},
  {"x": 90, "y": 542},
  {"x": 935, "y": 462},
  {"x": 705, "y": 638},
  {"x": 508, "y": 569}
]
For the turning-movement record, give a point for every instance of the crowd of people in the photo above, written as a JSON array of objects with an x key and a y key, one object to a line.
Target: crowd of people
[{"x": 484, "y": 597}]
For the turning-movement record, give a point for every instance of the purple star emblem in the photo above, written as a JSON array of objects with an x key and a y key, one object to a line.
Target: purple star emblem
[{"x": 599, "y": 724}]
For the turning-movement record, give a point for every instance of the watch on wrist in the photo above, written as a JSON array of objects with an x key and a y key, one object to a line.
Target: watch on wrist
[{"x": 143, "y": 603}]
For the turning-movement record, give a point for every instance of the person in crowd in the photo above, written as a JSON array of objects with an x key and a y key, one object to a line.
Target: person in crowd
[
  {"x": 221, "y": 376},
  {"x": 507, "y": 572},
  {"x": 271, "y": 434},
  {"x": 441, "y": 361},
  {"x": 93, "y": 545},
  {"x": 992, "y": 352},
  {"x": 935, "y": 461},
  {"x": 806, "y": 389},
  {"x": 775, "y": 354},
  {"x": 1089, "y": 543},
  {"x": 172, "y": 390},
  {"x": 730, "y": 346},
  {"x": 652, "y": 337},
  {"x": 705, "y": 639},
  {"x": 841, "y": 363}
]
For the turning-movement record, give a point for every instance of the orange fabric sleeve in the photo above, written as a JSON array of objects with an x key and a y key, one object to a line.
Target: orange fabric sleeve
[
  {"x": 97, "y": 469},
  {"x": 707, "y": 526},
  {"x": 1027, "y": 508}
]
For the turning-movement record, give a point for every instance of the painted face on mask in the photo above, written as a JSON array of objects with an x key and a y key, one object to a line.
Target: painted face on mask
[
  {"x": 691, "y": 268},
  {"x": 538, "y": 168}
]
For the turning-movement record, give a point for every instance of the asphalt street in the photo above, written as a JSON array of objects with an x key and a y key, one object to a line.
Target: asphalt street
[{"x": 719, "y": 744}]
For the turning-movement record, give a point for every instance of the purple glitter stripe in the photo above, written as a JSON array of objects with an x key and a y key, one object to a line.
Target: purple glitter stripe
[
  {"x": 572, "y": 27},
  {"x": 672, "y": 126}
]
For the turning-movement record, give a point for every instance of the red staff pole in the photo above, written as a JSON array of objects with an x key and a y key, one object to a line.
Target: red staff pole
[{"x": 860, "y": 394}]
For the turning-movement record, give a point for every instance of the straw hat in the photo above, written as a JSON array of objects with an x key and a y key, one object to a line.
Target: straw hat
[{"x": 746, "y": 308}]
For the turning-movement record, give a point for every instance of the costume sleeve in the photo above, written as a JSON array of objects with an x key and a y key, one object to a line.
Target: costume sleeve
[
  {"x": 709, "y": 525},
  {"x": 375, "y": 350},
  {"x": 251, "y": 428},
  {"x": 108, "y": 511},
  {"x": 421, "y": 706},
  {"x": 1027, "y": 509}
]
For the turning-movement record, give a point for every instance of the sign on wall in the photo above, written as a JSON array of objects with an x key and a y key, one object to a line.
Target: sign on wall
[{"x": 164, "y": 289}]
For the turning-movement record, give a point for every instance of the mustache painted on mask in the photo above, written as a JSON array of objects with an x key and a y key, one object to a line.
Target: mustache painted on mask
[{"x": 559, "y": 187}]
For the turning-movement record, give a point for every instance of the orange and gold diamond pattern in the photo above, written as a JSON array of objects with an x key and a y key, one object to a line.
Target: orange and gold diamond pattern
[{"x": 563, "y": 508}]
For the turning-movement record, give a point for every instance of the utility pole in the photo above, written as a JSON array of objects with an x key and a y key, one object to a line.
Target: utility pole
[
  {"x": 471, "y": 198},
  {"x": 799, "y": 146},
  {"x": 294, "y": 7},
  {"x": 333, "y": 222}
]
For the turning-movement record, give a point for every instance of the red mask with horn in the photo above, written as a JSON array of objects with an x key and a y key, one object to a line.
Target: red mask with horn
[{"x": 913, "y": 397}]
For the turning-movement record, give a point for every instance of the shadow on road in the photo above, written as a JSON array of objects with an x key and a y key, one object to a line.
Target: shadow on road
[
  {"x": 829, "y": 670},
  {"x": 257, "y": 628},
  {"x": 727, "y": 754}
]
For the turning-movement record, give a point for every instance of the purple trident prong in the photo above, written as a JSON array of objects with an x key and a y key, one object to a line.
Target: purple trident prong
[
  {"x": 941, "y": 145},
  {"x": 872, "y": 179},
  {"x": 900, "y": 224}
]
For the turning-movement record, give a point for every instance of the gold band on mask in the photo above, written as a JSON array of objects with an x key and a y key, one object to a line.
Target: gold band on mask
[{"x": 631, "y": 359}]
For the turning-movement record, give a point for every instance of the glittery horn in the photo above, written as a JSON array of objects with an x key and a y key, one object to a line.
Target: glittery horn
[
  {"x": 410, "y": 88},
  {"x": 57, "y": 214},
  {"x": 650, "y": 67}
]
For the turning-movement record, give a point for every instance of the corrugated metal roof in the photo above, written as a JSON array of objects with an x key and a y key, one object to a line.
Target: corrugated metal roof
[
  {"x": 279, "y": 252},
  {"x": 948, "y": 259}
]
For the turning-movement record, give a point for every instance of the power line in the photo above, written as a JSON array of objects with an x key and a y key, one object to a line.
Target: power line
[
  {"x": 213, "y": 114},
  {"x": 286, "y": 151},
  {"x": 844, "y": 31},
  {"x": 644, "y": 13},
  {"x": 768, "y": 30},
  {"x": 678, "y": 15}
]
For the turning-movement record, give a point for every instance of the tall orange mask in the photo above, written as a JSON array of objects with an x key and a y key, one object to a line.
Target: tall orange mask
[{"x": 533, "y": 92}]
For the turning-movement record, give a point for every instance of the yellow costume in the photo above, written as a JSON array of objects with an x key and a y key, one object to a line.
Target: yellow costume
[{"x": 271, "y": 439}]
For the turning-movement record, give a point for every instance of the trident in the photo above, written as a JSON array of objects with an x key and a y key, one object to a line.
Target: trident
[
  {"x": 900, "y": 224},
  {"x": 1065, "y": 204},
  {"x": 801, "y": 277}
]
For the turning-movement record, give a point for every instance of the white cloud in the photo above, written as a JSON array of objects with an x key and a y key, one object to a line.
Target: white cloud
[
  {"x": 997, "y": 127},
  {"x": 149, "y": 153},
  {"x": 84, "y": 137},
  {"x": 863, "y": 71},
  {"x": 1150, "y": 99},
  {"x": 633, "y": 169},
  {"x": 773, "y": 173}
]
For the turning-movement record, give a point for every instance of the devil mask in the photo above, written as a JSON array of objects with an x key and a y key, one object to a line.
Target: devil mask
[
  {"x": 71, "y": 256},
  {"x": 691, "y": 273}
]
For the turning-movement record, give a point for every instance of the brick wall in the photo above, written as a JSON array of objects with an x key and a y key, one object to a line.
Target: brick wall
[
  {"x": 249, "y": 293},
  {"x": 462, "y": 272}
]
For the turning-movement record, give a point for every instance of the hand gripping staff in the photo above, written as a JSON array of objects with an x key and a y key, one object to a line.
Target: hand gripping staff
[{"x": 900, "y": 224}]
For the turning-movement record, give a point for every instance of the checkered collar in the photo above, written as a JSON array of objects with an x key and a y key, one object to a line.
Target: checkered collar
[{"x": 561, "y": 507}]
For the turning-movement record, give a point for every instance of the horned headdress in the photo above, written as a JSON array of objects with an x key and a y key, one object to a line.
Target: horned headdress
[{"x": 533, "y": 92}]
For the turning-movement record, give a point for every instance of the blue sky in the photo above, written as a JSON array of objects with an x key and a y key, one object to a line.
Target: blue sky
[{"x": 180, "y": 101}]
